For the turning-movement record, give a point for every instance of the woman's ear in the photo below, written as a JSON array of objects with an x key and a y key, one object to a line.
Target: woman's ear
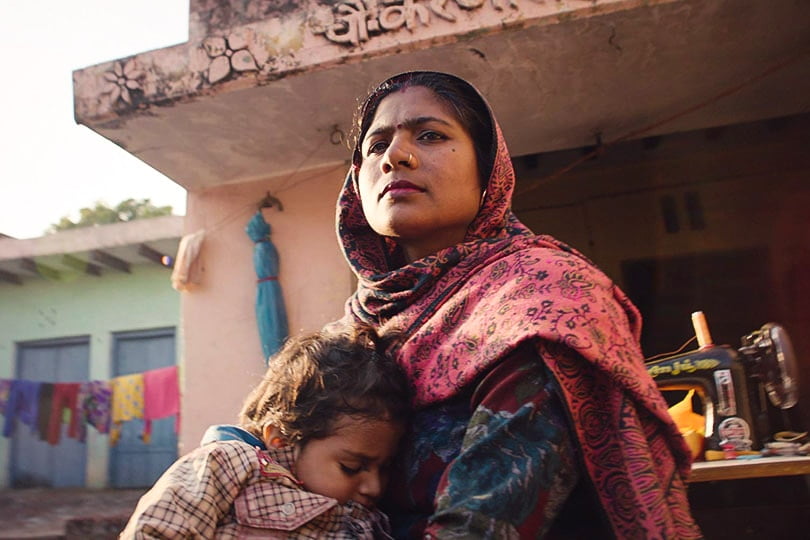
[{"x": 273, "y": 438}]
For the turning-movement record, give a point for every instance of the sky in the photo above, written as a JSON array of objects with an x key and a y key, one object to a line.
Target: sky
[{"x": 51, "y": 167}]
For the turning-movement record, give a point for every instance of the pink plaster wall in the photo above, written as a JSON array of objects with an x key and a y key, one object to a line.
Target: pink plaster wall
[{"x": 221, "y": 351}]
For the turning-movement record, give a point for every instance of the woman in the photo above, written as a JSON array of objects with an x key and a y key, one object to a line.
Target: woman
[{"x": 535, "y": 415}]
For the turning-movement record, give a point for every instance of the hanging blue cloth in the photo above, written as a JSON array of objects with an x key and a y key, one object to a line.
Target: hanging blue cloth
[
  {"x": 22, "y": 404},
  {"x": 270, "y": 313}
]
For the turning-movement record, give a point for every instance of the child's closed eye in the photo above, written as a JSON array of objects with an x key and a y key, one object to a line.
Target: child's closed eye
[{"x": 350, "y": 471}]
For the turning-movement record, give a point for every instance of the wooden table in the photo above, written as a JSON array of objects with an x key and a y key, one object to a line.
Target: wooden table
[{"x": 734, "y": 469}]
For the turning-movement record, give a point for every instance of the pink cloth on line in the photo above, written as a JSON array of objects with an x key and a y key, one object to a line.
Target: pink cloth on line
[{"x": 161, "y": 397}]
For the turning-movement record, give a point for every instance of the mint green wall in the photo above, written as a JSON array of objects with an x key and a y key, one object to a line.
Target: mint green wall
[{"x": 83, "y": 305}]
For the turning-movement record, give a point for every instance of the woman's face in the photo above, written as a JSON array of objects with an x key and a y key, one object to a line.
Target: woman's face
[{"x": 418, "y": 179}]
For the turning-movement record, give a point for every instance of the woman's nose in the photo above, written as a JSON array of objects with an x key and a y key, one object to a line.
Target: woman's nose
[{"x": 397, "y": 156}]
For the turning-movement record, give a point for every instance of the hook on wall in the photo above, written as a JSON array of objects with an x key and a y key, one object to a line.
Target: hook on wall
[
  {"x": 337, "y": 136},
  {"x": 270, "y": 202}
]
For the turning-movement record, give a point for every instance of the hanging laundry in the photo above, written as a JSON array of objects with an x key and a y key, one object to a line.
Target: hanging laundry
[
  {"x": 22, "y": 404},
  {"x": 127, "y": 402},
  {"x": 65, "y": 396},
  {"x": 5, "y": 388},
  {"x": 161, "y": 397},
  {"x": 44, "y": 402},
  {"x": 95, "y": 405},
  {"x": 45, "y": 406}
]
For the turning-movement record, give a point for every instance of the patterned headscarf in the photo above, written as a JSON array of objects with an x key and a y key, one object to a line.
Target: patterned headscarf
[{"x": 465, "y": 308}]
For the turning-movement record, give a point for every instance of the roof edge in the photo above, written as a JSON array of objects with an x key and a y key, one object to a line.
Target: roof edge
[{"x": 130, "y": 233}]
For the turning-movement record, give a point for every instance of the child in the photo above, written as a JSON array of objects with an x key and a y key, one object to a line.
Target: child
[{"x": 309, "y": 459}]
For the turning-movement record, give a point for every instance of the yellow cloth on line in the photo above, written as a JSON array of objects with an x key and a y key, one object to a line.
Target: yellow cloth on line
[{"x": 127, "y": 402}]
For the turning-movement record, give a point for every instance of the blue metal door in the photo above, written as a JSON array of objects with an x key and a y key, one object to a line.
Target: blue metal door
[
  {"x": 134, "y": 463},
  {"x": 34, "y": 462}
]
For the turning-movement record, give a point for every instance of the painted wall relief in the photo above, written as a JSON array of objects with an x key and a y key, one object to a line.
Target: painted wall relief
[
  {"x": 279, "y": 44},
  {"x": 354, "y": 21},
  {"x": 122, "y": 79},
  {"x": 227, "y": 55}
]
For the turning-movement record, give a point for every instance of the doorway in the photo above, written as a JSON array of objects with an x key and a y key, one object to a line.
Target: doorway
[
  {"x": 34, "y": 462},
  {"x": 134, "y": 463}
]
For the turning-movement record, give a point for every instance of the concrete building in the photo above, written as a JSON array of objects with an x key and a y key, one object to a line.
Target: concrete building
[{"x": 88, "y": 304}]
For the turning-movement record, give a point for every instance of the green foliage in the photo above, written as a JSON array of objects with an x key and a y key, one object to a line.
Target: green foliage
[{"x": 102, "y": 214}]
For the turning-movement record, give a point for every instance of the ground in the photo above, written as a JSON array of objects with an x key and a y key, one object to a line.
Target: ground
[{"x": 65, "y": 513}]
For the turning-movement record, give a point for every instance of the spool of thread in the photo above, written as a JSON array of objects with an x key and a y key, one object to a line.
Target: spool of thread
[{"x": 704, "y": 338}]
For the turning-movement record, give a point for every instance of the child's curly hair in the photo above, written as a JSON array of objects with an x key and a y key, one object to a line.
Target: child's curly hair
[{"x": 316, "y": 378}]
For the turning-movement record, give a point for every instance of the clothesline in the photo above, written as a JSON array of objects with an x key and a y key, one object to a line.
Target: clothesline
[{"x": 104, "y": 404}]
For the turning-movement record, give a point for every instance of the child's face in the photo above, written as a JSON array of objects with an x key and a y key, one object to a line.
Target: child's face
[{"x": 352, "y": 463}]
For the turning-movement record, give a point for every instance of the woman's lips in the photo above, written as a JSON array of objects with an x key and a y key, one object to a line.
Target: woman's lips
[{"x": 399, "y": 187}]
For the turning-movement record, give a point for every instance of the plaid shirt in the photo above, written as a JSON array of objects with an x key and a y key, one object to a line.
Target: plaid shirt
[{"x": 230, "y": 489}]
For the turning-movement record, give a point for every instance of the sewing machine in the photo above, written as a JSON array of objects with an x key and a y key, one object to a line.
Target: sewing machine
[{"x": 742, "y": 391}]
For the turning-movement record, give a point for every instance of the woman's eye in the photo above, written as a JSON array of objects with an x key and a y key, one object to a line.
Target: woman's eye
[
  {"x": 431, "y": 136},
  {"x": 377, "y": 147},
  {"x": 351, "y": 471}
]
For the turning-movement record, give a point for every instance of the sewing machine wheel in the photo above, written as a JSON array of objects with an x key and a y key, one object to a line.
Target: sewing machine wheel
[{"x": 775, "y": 363}]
